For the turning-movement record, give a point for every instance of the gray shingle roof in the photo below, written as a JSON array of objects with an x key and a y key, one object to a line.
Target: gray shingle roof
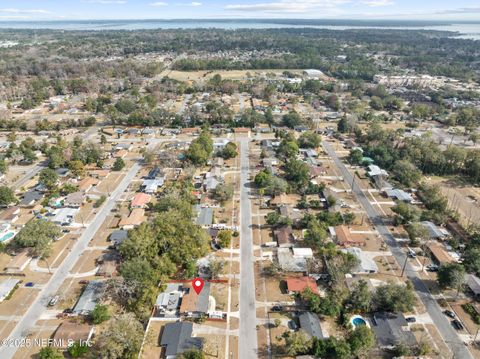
[
  {"x": 177, "y": 338},
  {"x": 310, "y": 323}
]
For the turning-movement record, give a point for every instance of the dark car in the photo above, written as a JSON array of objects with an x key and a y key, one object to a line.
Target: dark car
[
  {"x": 277, "y": 308},
  {"x": 457, "y": 325},
  {"x": 292, "y": 325},
  {"x": 68, "y": 311},
  {"x": 449, "y": 313},
  {"x": 29, "y": 284},
  {"x": 411, "y": 319},
  {"x": 83, "y": 282}
]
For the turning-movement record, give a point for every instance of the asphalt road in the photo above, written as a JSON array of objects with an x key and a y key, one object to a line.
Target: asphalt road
[
  {"x": 439, "y": 319},
  {"x": 247, "y": 341},
  {"x": 51, "y": 288}
]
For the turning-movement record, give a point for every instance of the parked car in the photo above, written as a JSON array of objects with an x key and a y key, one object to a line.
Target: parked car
[
  {"x": 83, "y": 281},
  {"x": 68, "y": 311},
  {"x": 277, "y": 308},
  {"x": 53, "y": 301},
  {"x": 411, "y": 319},
  {"x": 432, "y": 268},
  {"x": 457, "y": 324},
  {"x": 29, "y": 284},
  {"x": 449, "y": 313},
  {"x": 292, "y": 325}
]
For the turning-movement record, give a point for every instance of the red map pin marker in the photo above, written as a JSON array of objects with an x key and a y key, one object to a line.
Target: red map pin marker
[{"x": 198, "y": 284}]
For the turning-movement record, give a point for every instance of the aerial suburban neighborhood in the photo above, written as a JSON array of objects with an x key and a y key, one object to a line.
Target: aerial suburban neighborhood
[{"x": 291, "y": 195}]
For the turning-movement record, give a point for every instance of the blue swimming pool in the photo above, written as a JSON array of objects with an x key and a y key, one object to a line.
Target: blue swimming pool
[
  {"x": 7, "y": 236},
  {"x": 357, "y": 321}
]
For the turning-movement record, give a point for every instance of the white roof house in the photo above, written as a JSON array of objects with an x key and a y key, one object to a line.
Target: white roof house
[
  {"x": 151, "y": 185},
  {"x": 64, "y": 216},
  {"x": 313, "y": 74},
  {"x": 6, "y": 287},
  {"x": 374, "y": 170},
  {"x": 302, "y": 252},
  {"x": 366, "y": 265}
]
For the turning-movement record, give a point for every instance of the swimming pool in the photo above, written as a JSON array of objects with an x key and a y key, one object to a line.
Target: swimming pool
[
  {"x": 358, "y": 321},
  {"x": 7, "y": 236}
]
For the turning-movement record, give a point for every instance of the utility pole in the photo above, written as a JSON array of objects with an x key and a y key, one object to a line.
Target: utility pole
[{"x": 404, "y": 266}]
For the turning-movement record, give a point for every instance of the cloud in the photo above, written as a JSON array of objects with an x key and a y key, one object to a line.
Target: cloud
[
  {"x": 194, "y": 3},
  {"x": 377, "y": 3},
  {"x": 24, "y": 11},
  {"x": 159, "y": 3},
  {"x": 462, "y": 10},
  {"x": 288, "y": 6}
]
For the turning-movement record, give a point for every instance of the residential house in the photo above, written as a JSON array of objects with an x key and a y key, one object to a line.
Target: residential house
[
  {"x": 378, "y": 175},
  {"x": 168, "y": 302},
  {"x": 439, "y": 254},
  {"x": 136, "y": 218},
  {"x": 62, "y": 172},
  {"x": 299, "y": 284},
  {"x": 74, "y": 200},
  {"x": 177, "y": 339},
  {"x": 151, "y": 186},
  {"x": 18, "y": 263},
  {"x": 290, "y": 262},
  {"x": 204, "y": 216},
  {"x": 282, "y": 199},
  {"x": 344, "y": 238},
  {"x": 311, "y": 325},
  {"x": 10, "y": 215},
  {"x": 87, "y": 183},
  {"x": 64, "y": 216},
  {"x": 118, "y": 237},
  {"x": 90, "y": 297},
  {"x": 473, "y": 284},
  {"x": 435, "y": 232},
  {"x": 391, "y": 329},
  {"x": 140, "y": 200},
  {"x": 193, "y": 304},
  {"x": 68, "y": 333},
  {"x": 399, "y": 195},
  {"x": 287, "y": 210},
  {"x": 285, "y": 237},
  {"x": 366, "y": 264},
  {"x": 30, "y": 198},
  {"x": 6, "y": 287},
  {"x": 242, "y": 132},
  {"x": 211, "y": 183}
]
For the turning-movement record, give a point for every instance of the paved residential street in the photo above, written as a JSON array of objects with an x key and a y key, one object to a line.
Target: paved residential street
[
  {"x": 248, "y": 346},
  {"x": 51, "y": 288},
  {"x": 443, "y": 325}
]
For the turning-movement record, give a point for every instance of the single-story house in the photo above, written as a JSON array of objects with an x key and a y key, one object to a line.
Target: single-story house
[
  {"x": 74, "y": 200},
  {"x": 154, "y": 173},
  {"x": 64, "y": 216},
  {"x": 168, "y": 302},
  {"x": 90, "y": 297},
  {"x": 285, "y": 237},
  {"x": 117, "y": 237},
  {"x": 9, "y": 215},
  {"x": 434, "y": 231},
  {"x": 140, "y": 200},
  {"x": 205, "y": 216},
  {"x": 344, "y": 238},
  {"x": 99, "y": 174},
  {"x": 177, "y": 339},
  {"x": 18, "y": 263},
  {"x": 299, "y": 284},
  {"x": 87, "y": 183},
  {"x": 151, "y": 185},
  {"x": 290, "y": 262},
  {"x": 473, "y": 284},
  {"x": 193, "y": 304},
  {"x": 68, "y": 333},
  {"x": 6, "y": 287},
  {"x": 366, "y": 264},
  {"x": 241, "y": 131},
  {"x": 62, "y": 172},
  {"x": 439, "y": 253},
  {"x": 211, "y": 183},
  {"x": 136, "y": 218},
  {"x": 391, "y": 329},
  {"x": 287, "y": 210},
  {"x": 399, "y": 195},
  {"x": 282, "y": 199},
  {"x": 30, "y": 198},
  {"x": 310, "y": 324}
]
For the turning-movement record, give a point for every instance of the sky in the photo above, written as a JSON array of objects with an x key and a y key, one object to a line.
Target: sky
[{"x": 204, "y": 9}]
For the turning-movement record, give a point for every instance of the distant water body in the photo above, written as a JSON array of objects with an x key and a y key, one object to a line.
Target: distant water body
[{"x": 463, "y": 30}]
